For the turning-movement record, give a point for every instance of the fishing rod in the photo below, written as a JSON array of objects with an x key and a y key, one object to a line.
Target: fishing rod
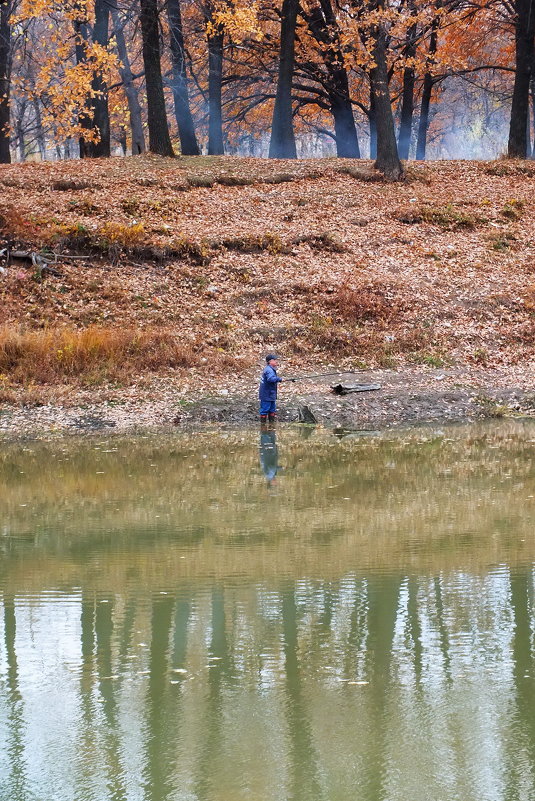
[{"x": 321, "y": 375}]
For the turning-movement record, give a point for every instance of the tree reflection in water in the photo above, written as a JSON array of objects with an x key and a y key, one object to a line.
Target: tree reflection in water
[{"x": 355, "y": 638}]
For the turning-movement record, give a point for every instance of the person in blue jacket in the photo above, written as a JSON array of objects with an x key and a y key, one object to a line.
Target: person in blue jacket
[{"x": 268, "y": 389}]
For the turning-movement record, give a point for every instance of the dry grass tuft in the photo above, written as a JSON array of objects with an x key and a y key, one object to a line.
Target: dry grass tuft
[
  {"x": 72, "y": 185},
  {"x": 510, "y": 167},
  {"x": 93, "y": 355},
  {"x": 377, "y": 302}
]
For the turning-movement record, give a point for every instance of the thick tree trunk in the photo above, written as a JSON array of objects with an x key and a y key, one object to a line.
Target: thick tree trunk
[
  {"x": 347, "y": 143},
  {"x": 524, "y": 52},
  {"x": 423, "y": 124},
  {"x": 387, "y": 160},
  {"x": 427, "y": 90},
  {"x": 184, "y": 120},
  {"x": 5, "y": 80},
  {"x": 132, "y": 98},
  {"x": 216, "y": 145},
  {"x": 159, "y": 139},
  {"x": 282, "y": 145},
  {"x": 372, "y": 121},
  {"x": 323, "y": 26},
  {"x": 407, "y": 98},
  {"x": 407, "y": 110},
  {"x": 99, "y": 102}
]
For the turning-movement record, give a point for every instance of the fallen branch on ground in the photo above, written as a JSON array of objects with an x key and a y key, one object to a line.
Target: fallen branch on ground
[{"x": 345, "y": 389}]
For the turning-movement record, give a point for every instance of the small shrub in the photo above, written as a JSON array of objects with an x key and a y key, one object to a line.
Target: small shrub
[
  {"x": 447, "y": 217},
  {"x": 119, "y": 235},
  {"x": 184, "y": 248},
  {"x": 236, "y": 180},
  {"x": 480, "y": 356},
  {"x": 328, "y": 339},
  {"x": 272, "y": 243},
  {"x": 279, "y": 178},
  {"x": 373, "y": 302},
  {"x": 366, "y": 174},
  {"x": 71, "y": 185},
  {"x": 201, "y": 181},
  {"x": 504, "y": 167},
  {"x": 326, "y": 241},
  {"x": 14, "y": 225},
  {"x": 512, "y": 210},
  {"x": 85, "y": 207},
  {"x": 74, "y": 236},
  {"x": 130, "y": 206},
  {"x": 501, "y": 242},
  {"x": 490, "y": 407},
  {"x": 429, "y": 359}
]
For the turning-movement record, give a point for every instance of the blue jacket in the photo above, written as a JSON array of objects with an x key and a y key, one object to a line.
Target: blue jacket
[{"x": 268, "y": 384}]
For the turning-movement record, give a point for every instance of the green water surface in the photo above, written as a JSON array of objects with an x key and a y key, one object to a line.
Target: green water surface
[{"x": 269, "y": 616}]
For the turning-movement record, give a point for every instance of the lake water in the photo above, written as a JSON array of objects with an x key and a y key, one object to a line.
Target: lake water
[{"x": 289, "y": 616}]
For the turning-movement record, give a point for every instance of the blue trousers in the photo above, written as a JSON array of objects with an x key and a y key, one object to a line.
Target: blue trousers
[{"x": 268, "y": 407}]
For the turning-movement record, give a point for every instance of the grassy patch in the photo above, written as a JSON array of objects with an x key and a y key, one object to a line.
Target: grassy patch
[
  {"x": 429, "y": 359},
  {"x": 502, "y": 242},
  {"x": 448, "y": 217},
  {"x": 250, "y": 243}
]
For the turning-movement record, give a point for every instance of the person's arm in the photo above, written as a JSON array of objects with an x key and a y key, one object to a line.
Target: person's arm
[{"x": 272, "y": 377}]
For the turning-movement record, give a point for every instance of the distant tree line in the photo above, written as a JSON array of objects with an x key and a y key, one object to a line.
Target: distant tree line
[{"x": 80, "y": 77}]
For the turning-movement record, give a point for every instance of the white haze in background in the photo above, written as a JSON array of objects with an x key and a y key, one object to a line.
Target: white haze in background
[{"x": 476, "y": 127}]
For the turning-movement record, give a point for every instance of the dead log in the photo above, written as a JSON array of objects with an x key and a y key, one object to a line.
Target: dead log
[
  {"x": 345, "y": 389},
  {"x": 42, "y": 262}
]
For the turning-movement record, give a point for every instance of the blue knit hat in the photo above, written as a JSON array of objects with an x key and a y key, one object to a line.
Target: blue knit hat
[{"x": 271, "y": 356}]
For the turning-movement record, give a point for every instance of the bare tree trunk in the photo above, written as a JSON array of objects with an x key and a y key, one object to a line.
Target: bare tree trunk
[
  {"x": 184, "y": 120},
  {"x": 132, "y": 98},
  {"x": 407, "y": 98},
  {"x": 282, "y": 145},
  {"x": 387, "y": 160},
  {"x": 216, "y": 146},
  {"x": 99, "y": 103},
  {"x": 427, "y": 89},
  {"x": 5, "y": 80},
  {"x": 524, "y": 52},
  {"x": 323, "y": 26},
  {"x": 159, "y": 139}
]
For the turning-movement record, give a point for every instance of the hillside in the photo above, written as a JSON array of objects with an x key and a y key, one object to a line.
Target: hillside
[{"x": 198, "y": 266}]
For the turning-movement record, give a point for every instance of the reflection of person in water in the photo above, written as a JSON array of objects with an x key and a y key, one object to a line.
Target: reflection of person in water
[{"x": 269, "y": 454}]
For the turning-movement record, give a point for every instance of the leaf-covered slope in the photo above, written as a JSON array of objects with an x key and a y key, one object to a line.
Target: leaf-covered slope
[{"x": 317, "y": 259}]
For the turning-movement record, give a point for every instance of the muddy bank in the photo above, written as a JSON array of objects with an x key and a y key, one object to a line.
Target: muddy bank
[{"x": 405, "y": 398}]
